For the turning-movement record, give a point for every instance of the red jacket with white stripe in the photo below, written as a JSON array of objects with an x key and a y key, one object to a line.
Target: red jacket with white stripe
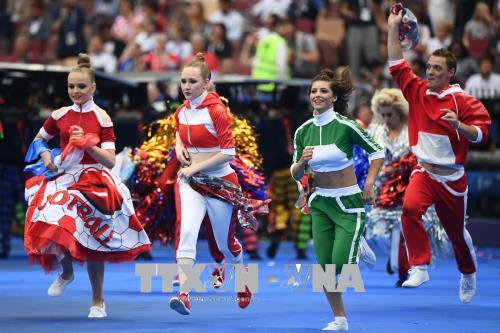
[
  {"x": 432, "y": 139},
  {"x": 206, "y": 127},
  {"x": 89, "y": 116}
]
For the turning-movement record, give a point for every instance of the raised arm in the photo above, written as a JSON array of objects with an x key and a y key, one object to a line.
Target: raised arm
[{"x": 393, "y": 44}]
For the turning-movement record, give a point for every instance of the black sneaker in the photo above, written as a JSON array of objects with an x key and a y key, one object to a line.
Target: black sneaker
[
  {"x": 402, "y": 278},
  {"x": 5, "y": 253},
  {"x": 301, "y": 255},
  {"x": 388, "y": 268},
  {"x": 254, "y": 255},
  {"x": 272, "y": 249},
  {"x": 144, "y": 256}
]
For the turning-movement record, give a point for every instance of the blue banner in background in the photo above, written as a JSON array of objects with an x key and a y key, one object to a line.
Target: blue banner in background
[{"x": 483, "y": 183}]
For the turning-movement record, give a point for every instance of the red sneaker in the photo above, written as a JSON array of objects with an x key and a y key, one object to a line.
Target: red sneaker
[
  {"x": 244, "y": 298},
  {"x": 180, "y": 303},
  {"x": 176, "y": 282},
  {"x": 218, "y": 276}
]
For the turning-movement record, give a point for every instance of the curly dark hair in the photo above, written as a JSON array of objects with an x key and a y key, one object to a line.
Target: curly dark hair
[{"x": 341, "y": 85}]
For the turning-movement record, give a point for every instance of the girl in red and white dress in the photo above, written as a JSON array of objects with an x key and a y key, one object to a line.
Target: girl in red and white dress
[
  {"x": 204, "y": 143},
  {"x": 77, "y": 209}
]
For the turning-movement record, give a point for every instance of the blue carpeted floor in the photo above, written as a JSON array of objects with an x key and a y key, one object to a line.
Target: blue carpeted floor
[{"x": 435, "y": 307}]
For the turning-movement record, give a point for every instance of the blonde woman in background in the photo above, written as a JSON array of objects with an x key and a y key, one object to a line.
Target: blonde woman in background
[{"x": 390, "y": 130}]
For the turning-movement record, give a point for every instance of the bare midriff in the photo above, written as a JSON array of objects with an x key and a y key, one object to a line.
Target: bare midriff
[
  {"x": 200, "y": 157},
  {"x": 335, "y": 179},
  {"x": 441, "y": 170}
]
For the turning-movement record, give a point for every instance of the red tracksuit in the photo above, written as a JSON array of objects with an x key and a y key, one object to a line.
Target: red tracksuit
[{"x": 434, "y": 141}]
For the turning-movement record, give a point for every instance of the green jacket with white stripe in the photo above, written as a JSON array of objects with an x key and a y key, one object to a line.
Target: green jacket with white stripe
[{"x": 333, "y": 137}]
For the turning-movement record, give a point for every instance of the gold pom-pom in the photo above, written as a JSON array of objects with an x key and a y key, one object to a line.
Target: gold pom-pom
[{"x": 156, "y": 148}]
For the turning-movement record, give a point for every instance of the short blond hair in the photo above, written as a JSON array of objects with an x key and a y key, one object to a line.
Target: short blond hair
[{"x": 390, "y": 97}]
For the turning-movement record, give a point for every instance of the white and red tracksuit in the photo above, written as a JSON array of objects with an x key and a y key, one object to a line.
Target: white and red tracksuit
[
  {"x": 434, "y": 141},
  {"x": 204, "y": 126}
]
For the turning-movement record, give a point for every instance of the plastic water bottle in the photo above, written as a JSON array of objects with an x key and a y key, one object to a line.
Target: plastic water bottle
[{"x": 408, "y": 30}]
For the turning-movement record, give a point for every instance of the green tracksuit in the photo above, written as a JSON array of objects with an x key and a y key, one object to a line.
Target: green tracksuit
[{"x": 338, "y": 214}]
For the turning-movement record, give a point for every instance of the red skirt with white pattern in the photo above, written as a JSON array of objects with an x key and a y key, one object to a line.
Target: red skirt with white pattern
[{"x": 85, "y": 212}]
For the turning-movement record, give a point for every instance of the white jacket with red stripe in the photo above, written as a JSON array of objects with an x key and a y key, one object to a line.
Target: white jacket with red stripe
[
  {"x": 204, "y": 125},
  {"x": 432, "y": 139}
]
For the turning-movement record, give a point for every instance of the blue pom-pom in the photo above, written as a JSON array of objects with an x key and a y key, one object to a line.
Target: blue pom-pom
[
  {"x": 39, "y": 168},
  {"x": 361, "y": 165}
]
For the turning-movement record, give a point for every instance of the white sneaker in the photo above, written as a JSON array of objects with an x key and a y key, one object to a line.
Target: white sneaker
[
  {"x": 57, "y": 287},
  {"x": 98, "y": 312},
  {"x": 416, "y": 276},
  {"x": 339, "y": 324},
  {"x": 367, "y": 255},
  {"x": 467, "y": 287}
]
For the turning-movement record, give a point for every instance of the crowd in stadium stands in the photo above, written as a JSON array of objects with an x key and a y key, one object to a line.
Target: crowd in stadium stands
[
  {"x": 162, "y": 35},
  {"x": 239, "y": 37},
  {"x": 305, "y": 36},
  {"x": 299, "y": 37}
]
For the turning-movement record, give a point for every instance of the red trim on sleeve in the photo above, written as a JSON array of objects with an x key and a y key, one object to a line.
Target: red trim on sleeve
[{"x": 222, "y": 124}]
